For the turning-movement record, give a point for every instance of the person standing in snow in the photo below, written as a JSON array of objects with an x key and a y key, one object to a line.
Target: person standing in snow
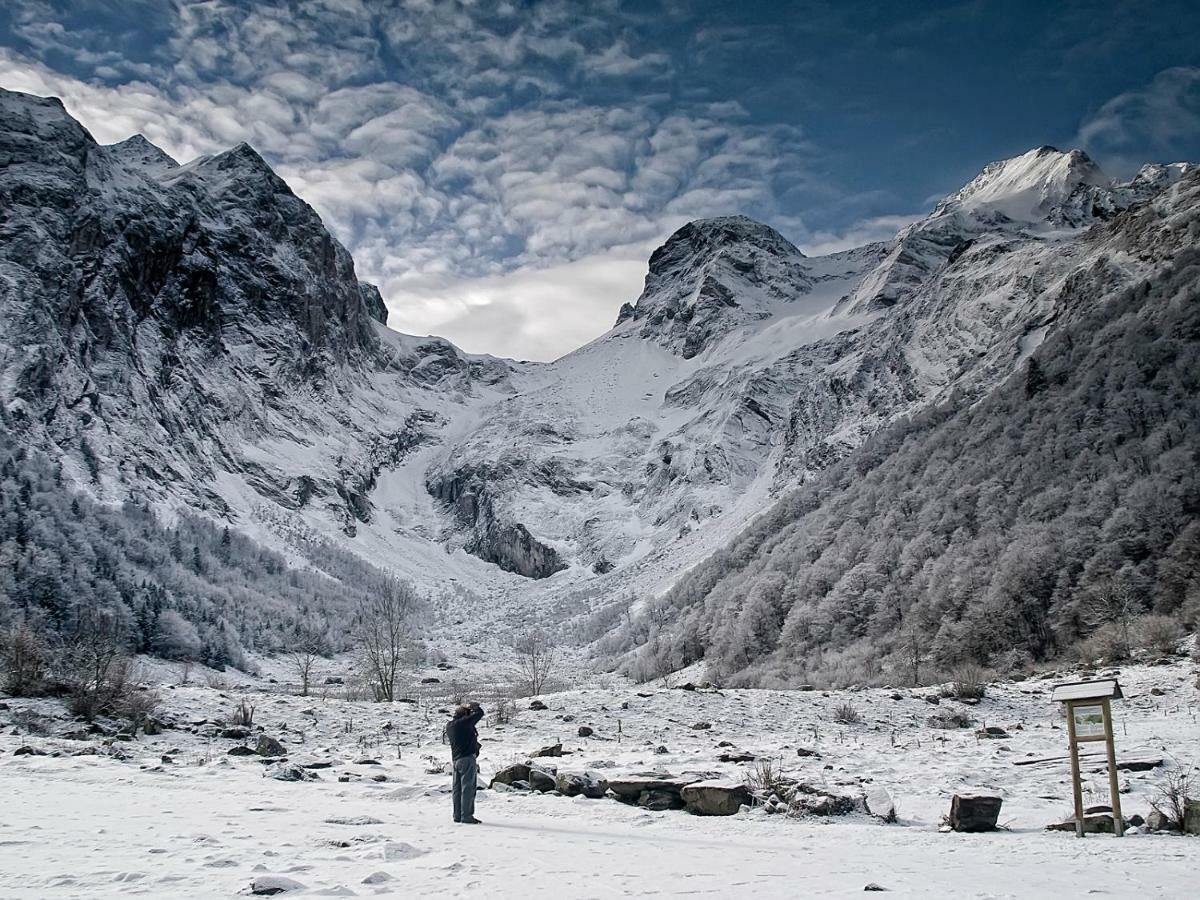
[{"x": 464, "y": 750}]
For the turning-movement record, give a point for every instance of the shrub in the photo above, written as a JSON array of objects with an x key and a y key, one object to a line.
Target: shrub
[
  {"x": 24, "y": 658},
  {"x": 1012, "y": 661},
  {"x": 503, "y": 711},
  {"x": 137, "y": 708},
  {"x": 101, "y": 690},
  {"x": 1173, "y": 792},
  {"x": 1108, "y": 643},
  {"x": 766, "y": 778},
  {"x": 1157, "y": 634},
  {"x": 243, "y": 714},
  {"x": 968, "y": 682},
  {"x": 846, "y": 714}
]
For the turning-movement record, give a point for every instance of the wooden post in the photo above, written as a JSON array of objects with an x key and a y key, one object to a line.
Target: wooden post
[
  {"x": 1113, "y": 786},
  {"x": 1076, "y": 787}
]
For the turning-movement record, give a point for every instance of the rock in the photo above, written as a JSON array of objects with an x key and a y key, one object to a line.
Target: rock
[
  {"x": 552, "y": 750},
  {"x": 811, "y": 801},
  {"x": 872, "y": 886},
  {"x": 1158, "y": 821},
  {"x": 804, "y": 751},
  {"x": 686, "y": 686},
  {"x": 631, "y": 788},
  {"x": 724, "y": 744},
  {"x": 1157, "y": 692},
  {"x": 702, "y": 726},
  {"x": 241, "y": 750},
  {"x": 333, "y": 679},
  {"x": 736, "y": 757},
  {"x": 950, "y": 720},
  {"x": 289, "y": 772},
  {"x": 711, "y": 798},
  {"x": 974, "y": 813},
  {"x": 236, "y": 733},
  {"x": 317, "y": 764},
  {"x": 1191, "y": 816},
  {"x": 542, "y": 781},
  {"x": 879, "y": 804},
  {"x": 1138, "y": 765},
  {"x": 511, "y": 774},
  {"x": 537, "y": 706},
  {"x": 270, "y": 885},
  {"x": 268, "y": 746},
  {"x": 660, "y": 801},
  {"x": 1136, "y": 821},
  {"x": 366, "y": 761},
  {"x": 378, "y": 878},
  {"x": 568, "y": 718},
  {"x": 1097, "y": 823},
  {"x": 431, "y": 680},
  {"x": 660, "y": 750},
  {"x": 585, "y": 731},
  {"x": 28, "y": 751},
  {"x": 991, "y": 731},
  {"x": 588, "y": 784},
  {"x": 353, "y": 820},
  {"x": 153, "y": 727}
]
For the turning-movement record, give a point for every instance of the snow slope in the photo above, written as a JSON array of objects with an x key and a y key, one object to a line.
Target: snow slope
[{"x": 207, "y": 824}]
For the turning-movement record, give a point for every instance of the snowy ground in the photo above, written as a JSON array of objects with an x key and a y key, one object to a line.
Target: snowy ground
[{"x": 206, "y": 824}]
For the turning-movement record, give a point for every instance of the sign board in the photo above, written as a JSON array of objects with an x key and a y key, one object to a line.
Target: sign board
[
  {"x": 1088, "y": 708},
  {"x": 1089, "y": 722}
]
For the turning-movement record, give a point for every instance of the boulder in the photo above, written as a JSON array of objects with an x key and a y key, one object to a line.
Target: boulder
[
  {"x": 804, "y": 751},
  {"x": 333, "y": 679},
  {"x": 879, "y": 804},
  {"x": 431, "y": 680},
  {"x": 631, "y": 788},
  {"x": 237, "y": 733},
  {"x": 1096, "y": 823},
  {"x": 28, "y": 751},
  {"x": 511, "y": 774},
  {"x": 702, "y": 726},
  {"x": 1158, "y": 821},
  {"x": 537, "y": 705},
  {"x": 714, "y": 798},
  {"x": 241, "y": 750},
  {"x": 585, "y": 731},
  {"x": 660, "y": 801},
  {"x": 736, "y": 756},
  {"x": 270, "y": 885},
  {"x": 991, "y": 731},
  {"x": 542, "y": 781},
  {"x": 589, "y": 784},
  {"x": 268, "y": 746},
  {"x": 1191, "y": 816},
  {"x": 552, "y": 750},
  {"x": 1144, "y": 764},
  {"x": 289, "y": 772},
  {"x": 974, "y": 813}
]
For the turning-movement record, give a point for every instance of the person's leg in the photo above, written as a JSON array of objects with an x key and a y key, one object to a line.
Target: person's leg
[
  {"x": 457, "y": 790},
  {"x": 470, "y": 778}
]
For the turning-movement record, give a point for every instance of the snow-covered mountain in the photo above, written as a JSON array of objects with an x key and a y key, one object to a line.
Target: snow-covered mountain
[{"x": 193, "y": 336}]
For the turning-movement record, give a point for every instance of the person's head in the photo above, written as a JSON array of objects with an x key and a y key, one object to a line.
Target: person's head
[{"x": 461, "y": 710}]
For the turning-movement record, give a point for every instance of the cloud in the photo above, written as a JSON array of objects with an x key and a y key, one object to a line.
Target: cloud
[
  {"x": 865, "y": 231},
  {"x": 493, "y": 171},
  {"x": 1161, "y": 119}
]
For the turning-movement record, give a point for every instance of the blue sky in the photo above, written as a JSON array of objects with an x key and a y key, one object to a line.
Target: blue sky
[{"x": 503, "y": 169}]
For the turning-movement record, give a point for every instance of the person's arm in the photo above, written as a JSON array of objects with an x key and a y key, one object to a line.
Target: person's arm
[{"x": 476, "y": 713}]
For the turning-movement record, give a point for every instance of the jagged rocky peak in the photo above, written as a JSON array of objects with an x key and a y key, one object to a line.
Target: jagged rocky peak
[
  {"x": 138, "y": 152},
  {"x": 713, "y": 275},
  {"x": 1154, "y": 178}
]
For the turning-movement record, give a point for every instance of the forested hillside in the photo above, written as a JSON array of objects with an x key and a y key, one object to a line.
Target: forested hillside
[
  {"x": 1066, "y": 500},
  {"x": 194, "y": 591}
]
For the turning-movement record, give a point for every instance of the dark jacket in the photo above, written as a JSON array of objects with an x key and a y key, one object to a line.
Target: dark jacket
[{"x": 464, "y": 739}]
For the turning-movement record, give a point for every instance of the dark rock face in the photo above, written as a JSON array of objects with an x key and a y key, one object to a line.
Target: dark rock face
[
  {"x": 510, "y": 545},
  {"x": 707, "y": 799},
  {"x": 974, "y": 813},
  {"x": 696, "y": 277}
]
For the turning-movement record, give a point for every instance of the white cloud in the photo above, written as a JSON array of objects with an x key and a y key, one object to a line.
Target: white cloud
[
  {"x": 865, "y": 231},
  {"x": 1163, "y": 116}
]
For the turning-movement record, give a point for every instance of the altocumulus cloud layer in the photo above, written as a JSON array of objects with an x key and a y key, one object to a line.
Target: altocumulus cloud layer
[{"x": 502, "y": 170}]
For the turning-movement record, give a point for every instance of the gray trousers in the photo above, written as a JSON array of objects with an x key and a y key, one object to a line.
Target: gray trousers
[{"x": 466, "y": 775}]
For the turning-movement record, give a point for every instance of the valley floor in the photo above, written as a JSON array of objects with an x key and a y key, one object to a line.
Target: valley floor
[{"x": 208, "y": 824}]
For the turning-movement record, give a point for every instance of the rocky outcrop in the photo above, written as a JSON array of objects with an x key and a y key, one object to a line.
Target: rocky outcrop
[{"x": 974, "y": 813}]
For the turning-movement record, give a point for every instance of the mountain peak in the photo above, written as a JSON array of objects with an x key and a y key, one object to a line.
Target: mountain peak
[
  {"x": 1032, "y": 187},
  {"x": 139, "y": 152}
]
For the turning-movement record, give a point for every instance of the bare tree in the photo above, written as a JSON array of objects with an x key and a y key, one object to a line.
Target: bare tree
[
  {"x": 912, "y": 650},
  {"x": 94, "y": 664},
  {"x": 24, "y": 656},
  {"x": 385, "y": 634},
  {"x": 537, "y": 657},
  {"x": 1114, "y": 604},
  {"x": 306, "y": 647}
]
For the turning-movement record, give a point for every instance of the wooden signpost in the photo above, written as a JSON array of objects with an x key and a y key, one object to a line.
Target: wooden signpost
[{"x": 1089, "y": 719}]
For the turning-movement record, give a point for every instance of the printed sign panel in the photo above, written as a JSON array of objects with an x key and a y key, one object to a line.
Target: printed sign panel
[{"x": 1089, "y": 721}]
